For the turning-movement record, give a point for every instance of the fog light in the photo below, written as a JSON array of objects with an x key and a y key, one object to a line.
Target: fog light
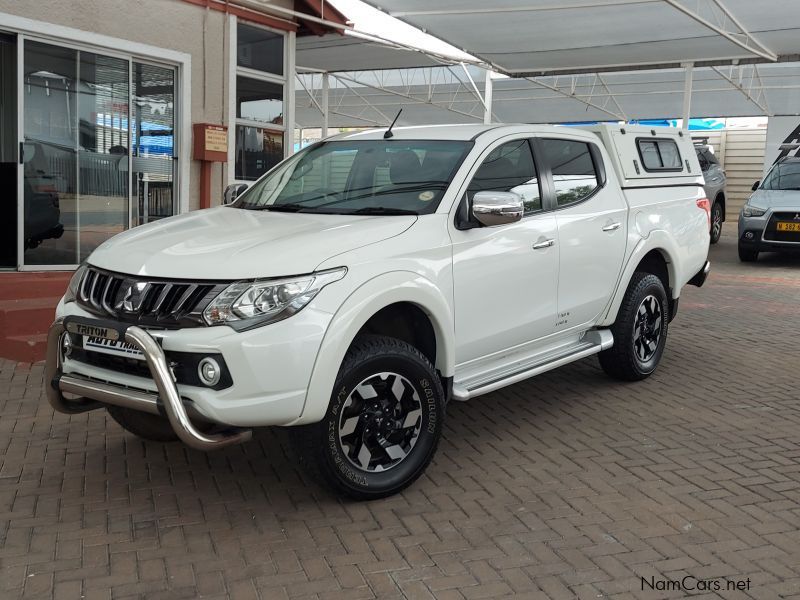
[
  {"x": 209, "y": 371},
  {"x": 748, "y": 235},
  {"x": 66, "y": 345}
]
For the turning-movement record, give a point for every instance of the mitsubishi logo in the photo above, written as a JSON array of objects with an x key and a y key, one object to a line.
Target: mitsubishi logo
[
  {"x": 133, "y": 296},
  {"x": 797, "y": 216}
]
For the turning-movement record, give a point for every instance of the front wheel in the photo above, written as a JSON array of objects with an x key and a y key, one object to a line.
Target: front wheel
[
  {"x": 383, "y": 423},
  {"x": 640, "y": 331},
  {"x": 747, "y": 254}
]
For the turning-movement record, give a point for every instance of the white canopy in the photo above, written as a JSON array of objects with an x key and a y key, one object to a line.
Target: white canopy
[
  {"x": 579, "y": 36},
  {"x": 449, "y": 95}
]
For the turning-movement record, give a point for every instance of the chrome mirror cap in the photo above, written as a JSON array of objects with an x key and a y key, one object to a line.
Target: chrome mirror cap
[
  {"x": 497, "y": 208},
  {"x": 232, "y": 192}
]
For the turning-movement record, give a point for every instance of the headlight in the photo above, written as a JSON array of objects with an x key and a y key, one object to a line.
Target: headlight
[
  {"x": 72, "y": 289},
  {"x": 247, "y": 304},
  {"x": 748, "y": 210}
]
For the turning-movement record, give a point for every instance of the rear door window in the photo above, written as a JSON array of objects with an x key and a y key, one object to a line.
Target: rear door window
[{"x": 574, "y": 174}]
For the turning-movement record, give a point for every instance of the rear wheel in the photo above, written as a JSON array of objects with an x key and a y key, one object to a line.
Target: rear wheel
[
  {"x": 383, "y": 423},
  {"x": 716, "y": 222},
  {"x": 747, "y": 254},
  {"x": 640, "y": 331}
]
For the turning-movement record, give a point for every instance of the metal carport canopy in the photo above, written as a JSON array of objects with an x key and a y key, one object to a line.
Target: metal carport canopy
[
  {"x": 538, "y": 37},
  {"x": 446, "y": 95}
]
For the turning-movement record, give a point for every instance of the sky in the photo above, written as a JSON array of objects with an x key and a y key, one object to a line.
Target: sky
[{"x": 375, "y": 22}]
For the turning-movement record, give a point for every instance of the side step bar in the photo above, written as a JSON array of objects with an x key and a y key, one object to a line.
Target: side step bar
[
  {"x": 95, "y": 395},
  {"x": 593, "y": 342}
]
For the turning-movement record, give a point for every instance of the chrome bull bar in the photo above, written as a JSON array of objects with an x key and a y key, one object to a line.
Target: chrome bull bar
[{"x": 94, "y": 394}]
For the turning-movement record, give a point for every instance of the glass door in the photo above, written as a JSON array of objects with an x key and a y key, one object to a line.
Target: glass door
[
  {"x": 74, "y": 152},
  {"x": 153, "y": 150}
]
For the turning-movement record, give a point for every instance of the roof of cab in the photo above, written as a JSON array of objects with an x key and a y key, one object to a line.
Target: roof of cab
[{"x": 448, "y": 132}]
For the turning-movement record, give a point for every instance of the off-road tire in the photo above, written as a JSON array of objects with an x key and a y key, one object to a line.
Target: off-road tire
[
  {"x": 747, "y": 254},
  {"x": 144, "y": 425},
  {"x": 622, "y": 360},
  {"x": 320, "y": 447}
]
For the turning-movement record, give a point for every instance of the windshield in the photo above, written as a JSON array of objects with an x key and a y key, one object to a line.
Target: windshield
[
  {"x": 783, "y": 176},
  {"x": 360, "y": 177}
]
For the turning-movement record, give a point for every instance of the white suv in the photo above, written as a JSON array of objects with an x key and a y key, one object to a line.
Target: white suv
[{"x": 365, "y": 281}]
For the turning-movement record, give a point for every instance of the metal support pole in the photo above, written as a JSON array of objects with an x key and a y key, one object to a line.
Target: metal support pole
[
  {"x": 687, "y": 94},
  {"x": 324, "y": 103},
  {"x": 487, "y": 98}
]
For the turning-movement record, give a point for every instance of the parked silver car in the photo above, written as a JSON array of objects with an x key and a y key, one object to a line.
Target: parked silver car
[
  {"x": 770, "y": 219},
  {"x": 715, "y": 178}
]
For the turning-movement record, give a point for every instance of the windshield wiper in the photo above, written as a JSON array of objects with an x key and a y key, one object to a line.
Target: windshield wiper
[
  {"x": 382, "y": 210},
  {"x": 291, "y": 207}
]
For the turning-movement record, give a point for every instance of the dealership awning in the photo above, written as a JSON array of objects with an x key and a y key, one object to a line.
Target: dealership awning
[
  {"x": 570, "y": 61},
  {"x": 579, "y": 36},
  {"x": 448, "y": 95},
  {"x": 353, "y": 52}
]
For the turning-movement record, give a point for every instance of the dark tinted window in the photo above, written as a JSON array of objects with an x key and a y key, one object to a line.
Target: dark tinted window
[
  {"x": 783, "y": 176},
  {"x": 259, "y": 49},
  {"x": 659, "y": 155},
  {"x": 574, "y": 174},
  {"x": 509, "y": 168}
]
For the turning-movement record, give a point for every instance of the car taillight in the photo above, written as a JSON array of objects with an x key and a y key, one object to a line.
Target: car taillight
[{"x": 706, "y": 206}]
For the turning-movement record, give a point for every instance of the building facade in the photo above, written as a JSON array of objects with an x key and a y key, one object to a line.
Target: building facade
[{"x": 98, "y": 99}]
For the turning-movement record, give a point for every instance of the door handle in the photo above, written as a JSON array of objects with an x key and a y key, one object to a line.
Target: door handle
[
  {"x": 544, "y": 244},
  {"x": 612, "y": 227}
]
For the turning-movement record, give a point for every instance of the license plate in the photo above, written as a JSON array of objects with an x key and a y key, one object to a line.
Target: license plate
[
  {"x": 112, "y": 347},
  {"x": 784, "y": 226}
]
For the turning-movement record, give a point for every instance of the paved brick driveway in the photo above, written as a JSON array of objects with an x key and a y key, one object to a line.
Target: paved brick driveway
[{"x": 569, "y": 485}]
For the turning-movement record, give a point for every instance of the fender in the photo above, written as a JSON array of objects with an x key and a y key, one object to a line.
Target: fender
[
  {"x": 355, "y": 311},
  {"x": 660, "y": 240}
]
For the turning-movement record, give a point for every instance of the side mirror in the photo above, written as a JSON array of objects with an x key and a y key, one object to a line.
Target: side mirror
[
  {"x": 232, "y": 192},
  {"x": 755, "y": 185},
  {"x": 497, "y": 208}
]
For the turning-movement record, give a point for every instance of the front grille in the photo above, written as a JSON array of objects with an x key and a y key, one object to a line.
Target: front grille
[
  {"x": 771, "y": 232},
  {"x": 144, "y": 301}
]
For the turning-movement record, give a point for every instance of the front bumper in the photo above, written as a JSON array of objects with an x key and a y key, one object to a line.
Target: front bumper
[
  {"x": 94, "y": 394},
  {"x": 757, "y": 233}
]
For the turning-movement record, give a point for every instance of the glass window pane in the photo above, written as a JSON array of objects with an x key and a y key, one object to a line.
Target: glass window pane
[
  {"x": 259, "y": 100},
  {"x": 346, "y": 176},
  {"x": 573, "y": 170},
  {"x": 670, "y": 156},
  {"x": 257, "y": 151},
  {"x": 509, "y": 168},
  {"x": 651, "y": 161},
  {"x": 153, "y": 142},
  {"x": 103, "y": 96},
  {"x": 50, "y": 138},
  {"x": 259, "y": 49}
]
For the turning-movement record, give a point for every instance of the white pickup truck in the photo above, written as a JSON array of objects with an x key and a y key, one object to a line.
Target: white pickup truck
[{"x": 370, "y": 278}]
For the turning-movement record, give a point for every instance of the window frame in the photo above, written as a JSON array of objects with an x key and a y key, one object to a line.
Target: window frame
[
  {"x": 284, "y": 81},
  {"x": 546, "y": 173},
  {"x": 657, "y": 141}
]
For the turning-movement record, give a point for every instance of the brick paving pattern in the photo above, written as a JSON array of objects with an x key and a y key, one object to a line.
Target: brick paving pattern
[{"x": 566, "y": 486}]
